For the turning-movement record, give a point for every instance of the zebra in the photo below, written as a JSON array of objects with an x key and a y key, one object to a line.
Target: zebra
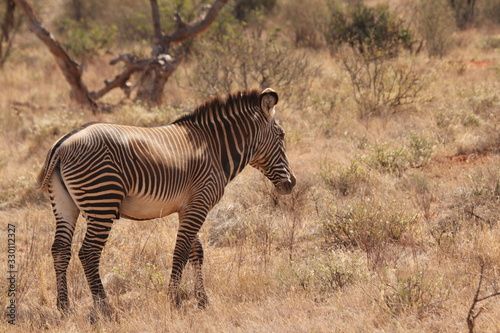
[{"x": 107, "y": 171}]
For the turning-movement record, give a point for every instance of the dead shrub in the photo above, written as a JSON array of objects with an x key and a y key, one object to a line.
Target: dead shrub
[
  {"x": 369, "y": 226},
  {"x": 381, "y": 84},
  {"x": 244, "y": 61}
]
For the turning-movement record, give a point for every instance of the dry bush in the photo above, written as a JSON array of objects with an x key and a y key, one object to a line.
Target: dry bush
[
  {"x": 242, "y": 61},
  {"x": 309, "y": 22},
  {"x": 436, "y": 24},
  {"x": 423, "y": 191},
  {"x": 414, "y": 290},
  {"x": 323, "y": 274},
  {"x": 490, "y": 10},
  {"x": 479, "y": 202},
  {"x": 415, "y": 153},
  {"x": 347, "y": 180},
  {"x": 381, "y": 85},
  {"x": 369, "y": 226},
  {"x": 472, "y": 127}
]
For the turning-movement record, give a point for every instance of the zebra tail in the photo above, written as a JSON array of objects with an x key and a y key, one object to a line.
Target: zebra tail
[{"x": 44, "y": 175}]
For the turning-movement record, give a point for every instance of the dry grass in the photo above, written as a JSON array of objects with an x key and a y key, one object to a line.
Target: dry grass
[{"x": 432, "y": 169}]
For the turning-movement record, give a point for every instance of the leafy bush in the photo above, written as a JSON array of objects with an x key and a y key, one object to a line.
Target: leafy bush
[
  {"x": 369, "y": 29},
  {"x": 416, "y": 153},
  {"x": 244, "y": 8},
  {"x": 389, "y": 159},
  {"x": 86, "y": 39},
  {"x": 420, "y": 149}
]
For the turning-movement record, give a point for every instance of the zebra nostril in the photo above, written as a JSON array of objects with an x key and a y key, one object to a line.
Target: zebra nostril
[{"x": 286, "y": 187}]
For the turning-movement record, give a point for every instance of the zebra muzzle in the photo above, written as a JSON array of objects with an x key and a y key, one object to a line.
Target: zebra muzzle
[{"x": 286, "y": 186}]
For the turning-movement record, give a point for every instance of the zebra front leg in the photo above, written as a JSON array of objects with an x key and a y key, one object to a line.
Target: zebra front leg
[
  {"x": 196, "y": 260},
  {"x": 90, "y": 255},
  {"x": 66, "y": 214}
]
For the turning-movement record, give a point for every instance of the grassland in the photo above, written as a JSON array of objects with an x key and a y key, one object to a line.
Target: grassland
[{"x": 391, "y": 220}]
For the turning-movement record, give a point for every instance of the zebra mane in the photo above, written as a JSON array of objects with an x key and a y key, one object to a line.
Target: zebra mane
[{"x": 220, "y": 105}]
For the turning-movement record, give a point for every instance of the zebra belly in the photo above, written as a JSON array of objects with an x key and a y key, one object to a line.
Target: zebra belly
[{"x": 138, "y": 208}]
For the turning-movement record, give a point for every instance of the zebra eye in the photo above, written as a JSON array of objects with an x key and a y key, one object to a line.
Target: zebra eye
[{"x": 282, "y": 135}]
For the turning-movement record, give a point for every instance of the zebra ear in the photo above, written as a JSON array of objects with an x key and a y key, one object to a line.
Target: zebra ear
[{"x": 268, "y": 99}]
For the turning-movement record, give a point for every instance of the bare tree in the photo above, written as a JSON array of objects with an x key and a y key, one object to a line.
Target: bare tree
[
  {"x": 153, "y": 72},
  {"x": 9, "y": 28}
]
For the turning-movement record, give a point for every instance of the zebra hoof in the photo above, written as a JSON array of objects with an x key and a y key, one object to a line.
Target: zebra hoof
[
  {"x": 203, "y": 304},
  {"x": 102, "y": 311},
  {"x": 203, "y": 301}
]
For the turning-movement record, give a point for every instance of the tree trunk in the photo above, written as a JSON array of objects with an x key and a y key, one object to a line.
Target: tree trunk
[
  {"x": 72, "y": 71},
  {"x": 153, "y": 79}
]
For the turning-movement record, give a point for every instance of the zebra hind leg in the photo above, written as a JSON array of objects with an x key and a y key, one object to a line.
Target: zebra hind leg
[
  {"x": 90, "y": 255},
  {"x": 187, "y": 245},
  {"x": 66, "y": 214},
  {"x": 196, "y": 260}
]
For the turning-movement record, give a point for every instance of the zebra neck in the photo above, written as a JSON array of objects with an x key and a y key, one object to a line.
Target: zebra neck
[
  {"x": 233, "y": 140},
  {"x": 236, "y": 150}
]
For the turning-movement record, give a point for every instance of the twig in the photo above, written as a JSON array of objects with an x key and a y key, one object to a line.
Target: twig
[{"x": 472, "y": 315}]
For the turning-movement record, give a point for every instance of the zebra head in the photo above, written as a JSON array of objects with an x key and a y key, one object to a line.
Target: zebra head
[{"x": 270, "y": 156}]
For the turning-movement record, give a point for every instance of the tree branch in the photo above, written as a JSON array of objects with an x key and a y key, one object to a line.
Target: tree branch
[
  {"x": 155, "y": 14},
  {"x": 8, "y": 22},
  {"x": 72, "y": 70},
  {"x": 189, "y": 30},
  {"x": 473, "y": 314},
  {"x": 121, "y": 80},
  {"x": 8, "y": 26}
]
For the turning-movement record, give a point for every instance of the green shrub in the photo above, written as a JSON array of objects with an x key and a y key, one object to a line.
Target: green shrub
[
  {"x": 491, "y": 42},
  {"x": 420, "y": 149},
  {"x": 389, "y": 159},
  {"x": 86, "y": 39},
  {"x": 416, "y": 153},
  {"x": 244, "y": 8},
  {"x": 369, "y": 29}
]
